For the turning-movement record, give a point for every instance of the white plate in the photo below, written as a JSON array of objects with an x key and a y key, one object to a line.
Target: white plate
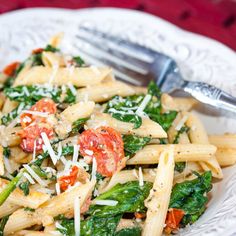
[{"x": 199, "y": 58}]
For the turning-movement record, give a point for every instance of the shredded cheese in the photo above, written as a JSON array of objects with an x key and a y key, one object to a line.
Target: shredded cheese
[
  {"x": 77, "y": 215},
  {"x": 34, "y": 175},
  {"x": 58, "y": 189},
  {"x": 8, "y": 165},
  {"x": 143, "y": 105},
  {"x": 140, "y": 174},
  {"x": 75, "y": 153},
  {"x": 36, "y": 113},
  {"x": 34, "y": 152},
  {"x": 27, "y": 176},
  {"x": 181, "y": 123},
  {"x": 94, "y": 170},
  {"x": 72, "y": 89},
  {"x": 105, "y": 202},
  {"x": 49, "y": 148}
]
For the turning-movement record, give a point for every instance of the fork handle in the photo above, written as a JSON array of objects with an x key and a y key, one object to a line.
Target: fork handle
[{"x": 211, "y": 95}]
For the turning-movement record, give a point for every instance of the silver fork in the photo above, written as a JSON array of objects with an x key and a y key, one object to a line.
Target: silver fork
[{"x": 139, "y": 65}]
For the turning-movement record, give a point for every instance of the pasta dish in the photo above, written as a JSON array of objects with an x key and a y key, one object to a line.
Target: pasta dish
[{"x": 82, "y": 153}]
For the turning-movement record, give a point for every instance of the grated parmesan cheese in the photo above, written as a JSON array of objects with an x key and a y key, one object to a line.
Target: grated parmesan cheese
[
  {"x": 105, "y": 202},
  {"x": 140, "y": 174},
  {"x": 36, "y": 113},
  {"x": 49, "y": 148},
  {"x": 8, "y": 165},
  {"x": 77, "y": 215},
  {"x": 72, "y": 89},
  {"x": 94, "y": 170},
  {"x": 181, "y": 123},
  {"x": 89, "y": 152},
  {"x": 34, "y": 150},
  {"x": 34, "y": 175},
  {"x": 27, "y": 176},
  {"x": 58, "y": 189},
  {"x": 143, "y": 105},
  {"x": 75, "y": 153}
]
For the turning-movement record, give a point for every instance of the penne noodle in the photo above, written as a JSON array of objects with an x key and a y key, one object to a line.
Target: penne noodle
[
  {"x": 56, "y": 40},
  {"x": 79, "y": 77},
  {"x": 104, "y": 91},
  {"x": 185, "y": 104},
  {"x": 1, "y": 161},
  {"x": 2, "y": 100},
  {"x": 33, "y": 200},
  {"x": 9, "y": 137},
  {"x": 226, "y": 156},
  {"x": 150, "y": 154},
  {"x": 148, "y": 127},
  {"x": 157, "y": 202},
  {"x": 168, "y": 103},
  {"x": 61, "y": 204},
  {"x": 7, "y": 208},
  {"x": 51, "y": 59},
  {"x": 9, "y": 106},
  {"x": 197, "y": 134},
  {"x": 223, "y": 141},
  {"x": 172, "y": 132}
]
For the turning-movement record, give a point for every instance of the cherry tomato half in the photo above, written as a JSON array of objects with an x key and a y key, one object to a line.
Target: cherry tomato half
[
  {"x": 11, "y": 68},
  {"x": 45, "y": 105},
  {"x": 105, "y": 145},
  {"x": 31, "y": 135},
  {"x": 68, "y": 180}
]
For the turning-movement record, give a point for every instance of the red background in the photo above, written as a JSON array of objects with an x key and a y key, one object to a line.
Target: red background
[{"x": 213, "y": 18}]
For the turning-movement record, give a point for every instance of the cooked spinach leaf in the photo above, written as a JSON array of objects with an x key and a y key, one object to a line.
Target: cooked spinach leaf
[
  {"x": 29, "y": 209},
  {"x": 3, "y": 222},
  {"x": 180, "y": 166},
  {"x": 130, "y": 197},
  {"x": 190, "y": 197},
  {"x": 124, "y": 109},
  {"x": 78, "y": 124},
  {"x": 184, "y": 129},
  {"x": 133, "y": 143},
  {"x": 33, "y": 93},
  {"x": 79, "y": 61},
  {"x": 99, "y": 226},
  {"x": 134, "y": 231},
  {"x": 24, "y": 186}
]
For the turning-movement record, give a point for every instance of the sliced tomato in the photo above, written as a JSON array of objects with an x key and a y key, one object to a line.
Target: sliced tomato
[
  {"x": 173, "y": 218},
  {"x": 11, "y": 68},
  {"x": 37, "y": 51},
  {"x": 139, "y": 215},
  {"x": 105, "y": 145},
  {"x": 45, "y": 105},
  {"x": 68, "y": 180},
  {"x": 31, "y": 135}
]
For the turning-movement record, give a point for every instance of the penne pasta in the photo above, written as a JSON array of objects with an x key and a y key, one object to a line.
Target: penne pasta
[
  {"x": 185, "y": 104},
  {"x": 7, "y": 208},
  {"x": 226, "y": 156},
  {"x": 61, "y": 204},
  {"x": 104, "y": 91},
  {"x": 150, "y": 154},
  {"x": 157, "y": 202},
  {"x": 51, "y": 59},
  {"x": 223, "y": 141},
  {"x": 33, "y": 200},
  {"x": 197, "y": 134},
  {"x": 80, "y": 77},
  {"x": 1, "y": 161},
  {"x": 148, "y": 127}
]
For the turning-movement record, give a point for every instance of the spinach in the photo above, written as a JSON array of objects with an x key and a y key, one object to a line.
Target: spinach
[
  {"x": 99, "y": 226},
  {"x": 78, "y": 124},
  {"x": 6, "y": 152},
  {"x": 180, "y": 166},
  {"x": 24, "y": 186},
  {"x": 136, "y": 120},
  {"x": 29, "y": 209},
  {"x": 124, "y": 109},
  {"x": 33, "y": 93},
  {"x": 134, "y": 231},
  {"x": 184, "y": 129},
  {"x": 154, "y": 90},
  {"x": 50, "y": 48},
  {"x": 130, "y": 197},
  {"x": 79, "y": 61},
  {"x": 133, "y": 143},
  {"x": 190, "y": 197},
  {"x": 67, "y": 150},
  {"x": 3, "y": 222}
]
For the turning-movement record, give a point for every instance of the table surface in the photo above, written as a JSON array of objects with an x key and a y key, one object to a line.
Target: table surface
[{"x": 213, "y": 18}]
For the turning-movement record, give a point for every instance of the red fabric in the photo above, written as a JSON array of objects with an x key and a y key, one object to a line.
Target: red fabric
[{"x": 213, "y": 18}]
